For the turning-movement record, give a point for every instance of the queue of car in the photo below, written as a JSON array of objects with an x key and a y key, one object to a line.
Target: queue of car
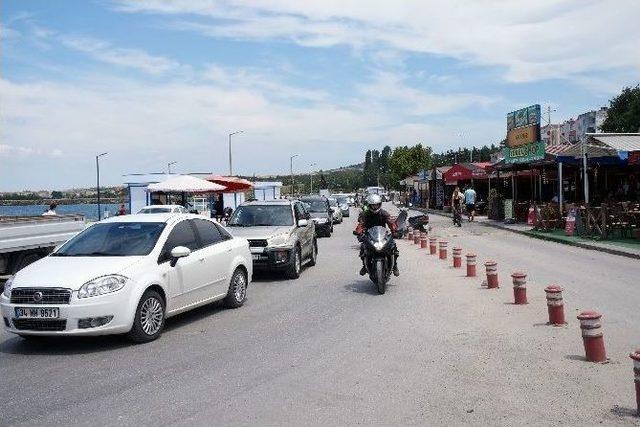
[{"x": 128, "y": 274}]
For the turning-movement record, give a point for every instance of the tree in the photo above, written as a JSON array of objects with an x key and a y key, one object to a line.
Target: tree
[
  {"x": 406, "y": 161},
  {"x": 624, "y": 112}
]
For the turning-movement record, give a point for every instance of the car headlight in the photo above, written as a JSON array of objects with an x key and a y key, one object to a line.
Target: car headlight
[
  {"x": 7, "y": 287},
  {"x": 102, "y": 285},
  {"x": 280, "y": 239}
]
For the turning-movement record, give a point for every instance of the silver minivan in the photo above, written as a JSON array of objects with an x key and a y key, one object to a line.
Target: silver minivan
[{"x": 280, "y": 233}]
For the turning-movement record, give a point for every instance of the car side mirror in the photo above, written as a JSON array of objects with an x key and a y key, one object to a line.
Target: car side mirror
[
  {"x": 177, "y": 253},
  {"x": 302, "y": 223}
]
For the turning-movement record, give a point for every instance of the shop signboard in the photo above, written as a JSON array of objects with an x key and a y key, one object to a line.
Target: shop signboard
[
  {"x": 523, "y": 142},
  {"x": 524, "y": 154},
  {"x": 522, "y": 136},
  {"x": 570, "y": 224}
]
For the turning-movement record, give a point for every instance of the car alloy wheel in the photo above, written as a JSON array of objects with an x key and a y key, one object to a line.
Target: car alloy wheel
[
  {"x": 239, "y": 287},
  {"x": 151, "y": 316}
]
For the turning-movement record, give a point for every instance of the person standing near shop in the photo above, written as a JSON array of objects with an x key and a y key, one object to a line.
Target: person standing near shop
[{"x": 470, "y": 202}]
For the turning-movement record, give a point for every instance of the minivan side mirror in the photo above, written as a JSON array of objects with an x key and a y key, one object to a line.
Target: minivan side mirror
[
  {"x": 302, "y": 223},
  {"x": 177, "y": 253}
]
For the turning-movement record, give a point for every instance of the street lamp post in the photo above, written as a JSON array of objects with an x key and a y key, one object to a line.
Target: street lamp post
[
  {"x": 230, "y": 161},
  {"x": 98, "y": 182},
  {"x": 312, "y": 165},
  {"x": 291, "y": 171},
  {"x": 169, "y": 167}
]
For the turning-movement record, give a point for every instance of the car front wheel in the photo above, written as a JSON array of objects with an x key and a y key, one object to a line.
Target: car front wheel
[
  {"x": 149, "y": 319},
  {"x": 237, "y": 294},
  {"x": 296, "y": 265}
]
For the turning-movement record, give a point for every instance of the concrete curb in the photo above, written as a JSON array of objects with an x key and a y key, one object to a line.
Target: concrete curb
[{"x": 611, "y": 251}]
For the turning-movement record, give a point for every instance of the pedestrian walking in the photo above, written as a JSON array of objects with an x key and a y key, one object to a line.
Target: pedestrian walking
[
  {"x": 456, "y": 206},
  {"x": 122, "y": 210},
  {"x": 470, "y": 202}
]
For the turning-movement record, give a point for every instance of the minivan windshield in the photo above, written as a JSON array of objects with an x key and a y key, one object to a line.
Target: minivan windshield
[
  {"x": 261, "y": 215},
  {"x": 342, "y": 200},
  {"x": 317, "y": 205},
  {"x": 114, "y": 239},
  {"x": 332, "y": 202}
]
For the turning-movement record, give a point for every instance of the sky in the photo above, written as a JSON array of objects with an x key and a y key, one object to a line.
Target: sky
[{"x": 158, "y": 81}]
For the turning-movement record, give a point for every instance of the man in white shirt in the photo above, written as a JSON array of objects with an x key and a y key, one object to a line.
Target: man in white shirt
[
  {"x": 470, "y": 202},
  {"x": 51, "y": 211}
]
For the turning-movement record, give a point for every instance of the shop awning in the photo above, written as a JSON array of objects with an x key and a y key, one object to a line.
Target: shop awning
[
  {"x": 232, "y": 183},
  {"x": 466, "y": 171},
  {"x": 616, "y": 141},
  {"x": 185, "y": 184}
]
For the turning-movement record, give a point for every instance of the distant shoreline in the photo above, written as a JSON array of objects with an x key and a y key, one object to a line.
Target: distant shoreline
[{"x": 78, "y": 201}]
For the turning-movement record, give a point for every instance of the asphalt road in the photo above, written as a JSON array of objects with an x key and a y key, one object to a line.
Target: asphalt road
[{"x": 436, "y": 349}]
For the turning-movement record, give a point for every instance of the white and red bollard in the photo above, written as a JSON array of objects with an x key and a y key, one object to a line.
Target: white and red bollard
[
  {"x": 636, "y": 371},
  {"x": 417, "y": 235},
  {"x": 424, "y": 241},
  {"x": 433, "y": 242},
  {"x": 443, "y": 249},
  {"x": 491, "y": 268},
  {"x": 409, "y": 233},
  {"x": 457, "y": 256},
  {"x": 519, "y": 287},
  {"x": 555, "y": 305},
  {"x": 471, "y": 265},
  {"x": 592, "y": 336}
]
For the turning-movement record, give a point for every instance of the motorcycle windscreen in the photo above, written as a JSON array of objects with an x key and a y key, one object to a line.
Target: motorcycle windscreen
[{"x": 377, "y": 234}]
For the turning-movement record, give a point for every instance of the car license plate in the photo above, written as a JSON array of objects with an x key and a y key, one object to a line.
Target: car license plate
[
  {"x": 258, "y": 257},
  {"x": 37, "y": 313}
]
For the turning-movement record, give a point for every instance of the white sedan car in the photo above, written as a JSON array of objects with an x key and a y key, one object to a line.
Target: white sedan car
[{"x": 127, "y": 274}]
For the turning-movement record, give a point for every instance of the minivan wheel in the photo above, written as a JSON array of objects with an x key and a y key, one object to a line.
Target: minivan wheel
[
  {"x": 313, "y": 259},
  {"x": 237, "y": 294},
  {"x": 149, "y": 320},
  {"x": 296, "y": 265}
]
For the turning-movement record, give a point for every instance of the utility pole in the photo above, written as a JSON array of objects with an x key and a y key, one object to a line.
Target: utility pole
[
  {"x": 549, "y": 111},
  {"x": 312, "y": 165},
  {"x": 230, "y": 161},
  {"x": 291, "y": 171},
  {"x": 98, "y": 182}
]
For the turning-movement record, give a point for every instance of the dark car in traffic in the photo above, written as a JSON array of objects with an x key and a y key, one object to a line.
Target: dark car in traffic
[{"x": 321, "y": 214}]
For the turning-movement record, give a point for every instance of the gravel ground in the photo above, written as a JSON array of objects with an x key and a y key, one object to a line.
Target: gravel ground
[{"x": 436, "y": 349}]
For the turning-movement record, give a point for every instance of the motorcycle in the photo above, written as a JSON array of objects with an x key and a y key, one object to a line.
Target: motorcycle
[{"x": 379, "y": 252}]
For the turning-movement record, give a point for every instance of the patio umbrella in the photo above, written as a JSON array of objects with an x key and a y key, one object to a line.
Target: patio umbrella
[
  {"x": 232, "y": 183},
  {"x": 185, "y": 184}
]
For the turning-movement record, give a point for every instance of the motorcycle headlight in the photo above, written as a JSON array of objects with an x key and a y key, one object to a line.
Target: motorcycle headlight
[
  {"x": 379, "y": 245},
  {"x": 102, "y": 285},
  {"x": 279, "y": 240},
  {"x": 7, "y": 287}
]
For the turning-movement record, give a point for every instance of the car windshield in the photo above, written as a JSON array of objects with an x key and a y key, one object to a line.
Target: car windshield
[
  {"x": 155, "y": 210},
  {"x": 316, "y": 205},
  {"x": 114, "y": 239},
  {"x": 333, "y": 202},
  {"x": 342, "y": 200},
  {"x": 261, "y": 215}
]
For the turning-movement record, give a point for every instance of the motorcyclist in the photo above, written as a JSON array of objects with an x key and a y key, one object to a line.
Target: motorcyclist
[{"x": 373, "y": 215}]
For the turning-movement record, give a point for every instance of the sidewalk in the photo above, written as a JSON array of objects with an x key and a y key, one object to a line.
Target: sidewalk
[{"x": 622, "y": 247}]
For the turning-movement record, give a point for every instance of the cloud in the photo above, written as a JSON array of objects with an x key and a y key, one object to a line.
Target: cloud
[
  {"x": 529, "y": 40},
  {"x": 390, "y": 90},
  {"x": 132, "y": 58}
]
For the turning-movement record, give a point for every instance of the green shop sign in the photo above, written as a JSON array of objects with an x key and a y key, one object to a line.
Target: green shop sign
[{"x": 524, "y": 153}]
